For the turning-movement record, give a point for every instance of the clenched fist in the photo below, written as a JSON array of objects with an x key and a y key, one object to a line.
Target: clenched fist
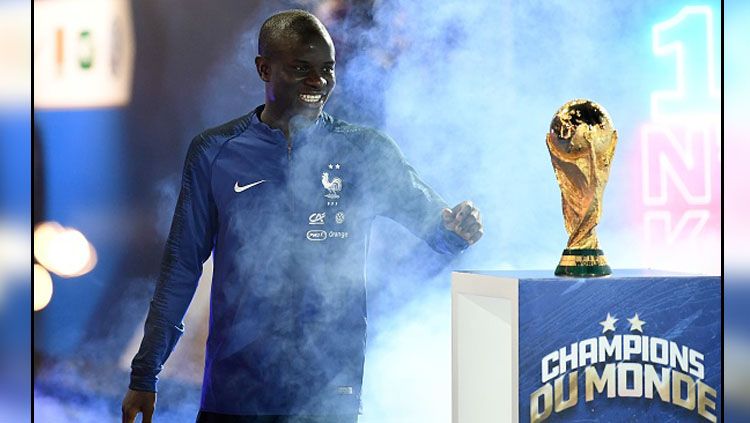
[{"x": 465, "y": 220}]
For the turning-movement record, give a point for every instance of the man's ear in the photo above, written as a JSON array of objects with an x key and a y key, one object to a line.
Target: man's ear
[{"x": 261, "y": 65}]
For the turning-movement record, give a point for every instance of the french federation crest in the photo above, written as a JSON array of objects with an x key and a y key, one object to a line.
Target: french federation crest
[{"x": 333, "y": 186}]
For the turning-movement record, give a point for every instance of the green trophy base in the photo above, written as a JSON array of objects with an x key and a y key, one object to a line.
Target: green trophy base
[{"x": 583, "y": 263}]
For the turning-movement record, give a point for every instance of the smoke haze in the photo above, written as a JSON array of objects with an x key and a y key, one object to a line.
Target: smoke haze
[{"x": 468, "y": 93}]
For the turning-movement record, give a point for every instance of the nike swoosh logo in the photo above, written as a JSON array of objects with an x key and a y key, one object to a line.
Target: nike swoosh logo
[{"x": 238, "y": 188}]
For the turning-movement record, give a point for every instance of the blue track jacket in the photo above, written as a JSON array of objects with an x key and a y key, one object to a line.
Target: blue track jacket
[{"x": 288, "y": 223}]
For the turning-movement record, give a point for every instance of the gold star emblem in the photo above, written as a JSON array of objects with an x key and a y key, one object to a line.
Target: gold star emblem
[
  {"x": 608, "y": 323},
  {"x": 636, "y": 323}
]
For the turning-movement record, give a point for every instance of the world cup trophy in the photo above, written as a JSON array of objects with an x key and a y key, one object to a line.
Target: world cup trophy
[{"x": 581, "y": 142}]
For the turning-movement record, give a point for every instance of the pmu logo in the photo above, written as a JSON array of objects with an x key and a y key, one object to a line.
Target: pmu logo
[
  {"x": 624, "y": 366},
  {"x": 317, "y": 235}
]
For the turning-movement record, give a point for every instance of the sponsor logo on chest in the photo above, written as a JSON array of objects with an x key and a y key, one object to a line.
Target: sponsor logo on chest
[{"x": 332, "y": 182}]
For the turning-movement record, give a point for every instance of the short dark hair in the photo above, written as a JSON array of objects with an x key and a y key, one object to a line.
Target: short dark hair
[{"x": 289, "y": 23}]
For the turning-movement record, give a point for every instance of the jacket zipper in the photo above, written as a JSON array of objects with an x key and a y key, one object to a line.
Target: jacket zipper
[
  {"x": 296, "y": 330},
  {"x": 289, "y": 163}
]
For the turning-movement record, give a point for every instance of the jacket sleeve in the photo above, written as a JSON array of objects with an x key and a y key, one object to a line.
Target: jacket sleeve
[
  {"x": 190, "y": 242},
  {"x": 400, "y": 194}
]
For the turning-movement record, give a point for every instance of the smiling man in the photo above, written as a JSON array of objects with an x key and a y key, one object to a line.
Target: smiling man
[
  {"x": 284, "y": 197},
  {"x": 296, "y": 60}
]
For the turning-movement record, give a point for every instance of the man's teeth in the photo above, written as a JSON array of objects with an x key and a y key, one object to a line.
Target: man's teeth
[{"x": 310, "y": 98}]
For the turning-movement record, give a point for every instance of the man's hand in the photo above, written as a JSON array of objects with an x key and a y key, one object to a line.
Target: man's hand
[
  {"x": 138, "y": 402},
  {"x": 465, "y": 220}
]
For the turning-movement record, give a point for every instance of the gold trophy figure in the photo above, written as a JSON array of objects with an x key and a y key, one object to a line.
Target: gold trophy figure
[{"x": 581, "y": 143}]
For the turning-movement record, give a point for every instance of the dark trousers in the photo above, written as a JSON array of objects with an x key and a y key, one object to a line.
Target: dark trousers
[{"x": 206, "y": 417}]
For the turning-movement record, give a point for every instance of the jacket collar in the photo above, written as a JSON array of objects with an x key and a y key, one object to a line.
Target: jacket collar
[{"x": 275, "y": 135}]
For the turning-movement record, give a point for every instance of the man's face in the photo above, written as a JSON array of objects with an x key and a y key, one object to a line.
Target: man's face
[{"x": 300, "y": 76}]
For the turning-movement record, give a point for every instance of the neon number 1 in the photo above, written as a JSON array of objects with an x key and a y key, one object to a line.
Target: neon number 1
[{"x": 689, "y": 37}]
